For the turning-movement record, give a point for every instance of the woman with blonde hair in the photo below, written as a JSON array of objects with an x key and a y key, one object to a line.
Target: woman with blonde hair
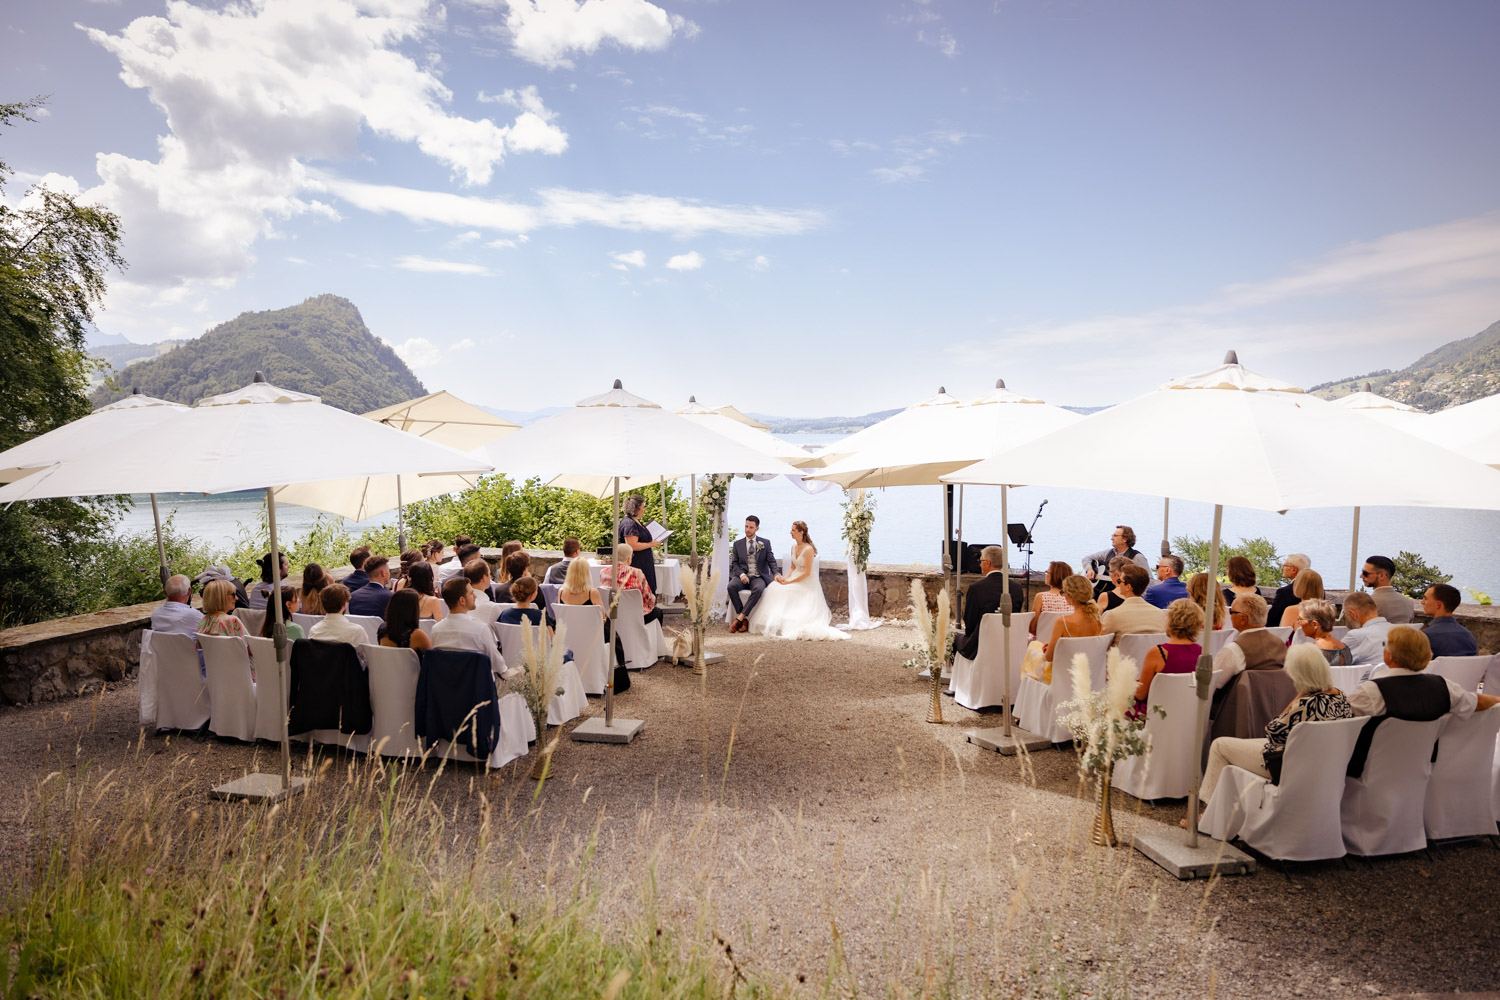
[
  {"x": 1198, "y": 588},
  {"x": 1307, "y": 587},
  {"x": 218, "y": 610},
  {"x": 1081, "y": 621},
  {"x": 1178, "y": 655}
]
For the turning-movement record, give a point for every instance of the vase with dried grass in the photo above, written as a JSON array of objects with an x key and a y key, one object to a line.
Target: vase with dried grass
[
  {"x": 1103, "y": 731},
  {"x": 541, "y": 666},
  {"x": 698, "y": 589},
  {"x": 935, "y": 646}
]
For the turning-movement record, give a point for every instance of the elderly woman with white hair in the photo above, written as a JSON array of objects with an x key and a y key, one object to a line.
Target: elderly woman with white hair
[
  {"x": 1317, "y": 701},
  {"x": 1315, "y": 619},
  {"x": 631, "y": 579}
]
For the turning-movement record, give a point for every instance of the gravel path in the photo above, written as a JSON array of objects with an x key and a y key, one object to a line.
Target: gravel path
[{"x": 805, "y": 812}]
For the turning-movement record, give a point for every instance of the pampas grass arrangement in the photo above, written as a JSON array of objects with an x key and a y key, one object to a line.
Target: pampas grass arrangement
[
  {"x": 932, "y": 653},
  {"x": 541, "y": 665},
  {"x": 1102, "y": 729},
  {"x": 698, "y": 589}
]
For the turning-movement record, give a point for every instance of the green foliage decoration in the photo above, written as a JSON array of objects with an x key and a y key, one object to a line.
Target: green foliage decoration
[
  {"x": 859, "y": 520},
  {"x": 1260, "y": 551},
  {"x": 1413, "y": 575}
]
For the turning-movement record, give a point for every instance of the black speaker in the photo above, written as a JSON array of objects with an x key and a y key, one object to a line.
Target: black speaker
[{"x": 970, "y": 555}]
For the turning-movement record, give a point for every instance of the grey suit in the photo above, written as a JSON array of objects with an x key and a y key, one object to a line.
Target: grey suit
[{"x": 758, "y": 568}]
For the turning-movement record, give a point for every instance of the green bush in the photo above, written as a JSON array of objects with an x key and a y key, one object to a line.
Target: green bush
[
  {"x": 1413, "y": 576},
  {"x": 1260, "y": 551},
  {"x": 126, "y": 569}
]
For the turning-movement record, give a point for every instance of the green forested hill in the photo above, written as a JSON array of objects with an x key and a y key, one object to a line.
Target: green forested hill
[
  {"x": 1455, "y": 373},
  {"x": 321, "y": 346}
]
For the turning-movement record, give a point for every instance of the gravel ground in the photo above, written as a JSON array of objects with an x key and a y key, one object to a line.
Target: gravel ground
[{"x": 806, "y": 812}]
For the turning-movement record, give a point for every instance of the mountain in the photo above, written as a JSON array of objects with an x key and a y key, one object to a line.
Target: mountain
[
  {"x": 321, "y": 346},
  {"x": 821, "y": 425},
  {"x": 524, "y": 417},
  {"x": 119, "y": 356},
  {"x": 1454, "y": 373}
]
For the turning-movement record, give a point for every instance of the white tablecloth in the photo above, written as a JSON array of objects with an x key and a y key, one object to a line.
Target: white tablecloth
[{"x": 668, "y": 579}]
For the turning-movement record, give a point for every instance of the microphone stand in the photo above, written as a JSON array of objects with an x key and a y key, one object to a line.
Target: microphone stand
[{"x": 1026, "y": 587}]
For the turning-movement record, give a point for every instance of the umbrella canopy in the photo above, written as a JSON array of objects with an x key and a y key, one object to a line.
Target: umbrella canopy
[
  {"x": 1387, "y": 411},
  {"x": 439, "y": 417},
  {"x": 121, "y": 420},
  {"x": 620, "y": 435},
  {"x": 1472, "y": 429},
  {"x": 1271, "y": 429},
  {"x": 745, "y": 432},
  {"x": 938, "y": 436}
]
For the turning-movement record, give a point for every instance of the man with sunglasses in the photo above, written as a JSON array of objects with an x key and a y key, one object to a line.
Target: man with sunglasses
[{"x": 1394, "y": 606}]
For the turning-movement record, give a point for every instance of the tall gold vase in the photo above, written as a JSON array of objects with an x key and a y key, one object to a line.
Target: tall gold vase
[
  {"x": 1104, "y": 826},
  {"x": 935, "y": 709}
]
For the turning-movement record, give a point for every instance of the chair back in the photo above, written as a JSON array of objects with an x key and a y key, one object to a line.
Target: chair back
[
  {"x": 1303, "y": 823},
  {"x": 270, "y": 694},
  {"x": 181, "y": 692},
  {"x": 393, "y": 699},
  {"x": 513, "y": 641},
  {"x": 549, "y": 592},
  {"x": 425, "y": 624},
  {"x": 254, "y": 618},
  {"x": 582, "y": 630},
  {"x": 1379, "y": 811},
  {"x": 1165, "y": 771},
  {"x": 1219, "y": 638},
  {"x": 1045, "y": 622},
  {"x": 1465, "y": 671},
  {"x": 231, "y": 692},
  {"x": 306, "y": 621},
  {"x": 1137, "y": 646},
  {"x": 488, "y": 612},
  {"x": 1095, "y": 647},
  {"x": 1282, "y": 632},
  {"x": 1339, "y": 631},
  {"x": 630, "y": 625},
  {"x": 985, "y": 683},
  {"x": 370, "y": 623},
  {"x": 1459, "y": 800},
  {"x": 146, "y": 681}
]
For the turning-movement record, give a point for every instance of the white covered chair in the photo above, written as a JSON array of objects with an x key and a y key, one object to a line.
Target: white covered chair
[
  {"x": 1037, "y": 703},
  {"x": 643, "y": 643},
  {"x": 563, "y": 707},
  {"x": 1165, "y": 771},
  {"x": 1460, "y": 800},
  {"x": 1379, "y": 810},
  {"x": 1219, "y": 638},
  {"x": 1137, "y": 645},
  {"x": 370, "y": 623},
  {"x": 253, "y": 618},
  {"x": 582, "y": 630},
  {"x": 1297, "y": 820},
  {"x": 181, "y": 693},
  {"x": 146, "y": 681},
  {"x": 517, "y": 731},
  {"x": 1042, "y": 627},
  {"x": 231, "y": 691},
  {"x": 270, "y": 696},
  {"x": 1282, "y": 632},
  {"x": 488, "y": 612},
  {"x": 1465, "y": 671},
  {"x": 1346, "y": 679},
  {"x": 393, "y": 700},
  {"x": 980, "y": 682},
  {"x": 306, "y": 621}
]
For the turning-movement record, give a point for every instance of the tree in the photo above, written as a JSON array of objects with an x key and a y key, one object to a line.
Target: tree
[
  {"x": 55, "y": 256},
  {"x": 1260, "y": 551}
]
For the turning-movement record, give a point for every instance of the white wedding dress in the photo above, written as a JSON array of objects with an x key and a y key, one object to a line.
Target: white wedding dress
[{"x": 795, "y": 610}]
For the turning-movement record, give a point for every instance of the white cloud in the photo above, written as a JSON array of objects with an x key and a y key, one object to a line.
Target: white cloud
[
  {"x": 428, "y": 265},
  {"x": 509, "y": 244},
  {"x": 918, "y": 152},
  {"x": 690, "y": 261},
  {"x": 761, "y": 263},
  {"x": 625, "y": 261},
  {"x": 296, "y": 260},
  {"x": 468, "y": 237},
  {"x": 418, "y": 352},
  {"x": 547, "y": 32},
  {"x": 463, "y": 345}
]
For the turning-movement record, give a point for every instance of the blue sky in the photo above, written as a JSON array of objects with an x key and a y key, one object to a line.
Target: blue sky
[{"x": 805, "y": 209}]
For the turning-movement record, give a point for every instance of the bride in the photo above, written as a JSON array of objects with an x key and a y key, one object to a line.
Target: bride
[{"x": 793, "y": 607}]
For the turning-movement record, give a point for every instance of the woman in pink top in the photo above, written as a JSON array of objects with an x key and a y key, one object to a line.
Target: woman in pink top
[
  {"x": 630, "y": 579},
  {"x": 1178, "y": 655},
  {"x": 1052, "y": 599}
]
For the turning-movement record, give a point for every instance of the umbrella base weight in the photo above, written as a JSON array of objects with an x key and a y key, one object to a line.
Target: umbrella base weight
[
  {"x": 1211, "y": 857},
  {"x": 257, "y": 788},
  {"x": 996, "y": 740},
  {"x": 595, "y": 731}
]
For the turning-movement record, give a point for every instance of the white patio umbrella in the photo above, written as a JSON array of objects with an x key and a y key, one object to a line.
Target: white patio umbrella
[
  {"x": 135, "y": 415},
  {"x": 1471, "y": 429},
  {"x": 1255, "y": 432},
  {"x": 236, "y": 441},
  {"x": 439, "y": 417}
]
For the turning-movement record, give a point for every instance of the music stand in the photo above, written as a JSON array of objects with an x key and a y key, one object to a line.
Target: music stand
[{"x": 1019, "y": 536}]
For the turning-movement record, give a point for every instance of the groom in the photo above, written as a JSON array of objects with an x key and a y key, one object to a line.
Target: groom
[{"x": 749, "y": 568}]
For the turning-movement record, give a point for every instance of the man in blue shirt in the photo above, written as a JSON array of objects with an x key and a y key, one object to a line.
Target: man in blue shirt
[
  {"x": 1169, "y": 586},
  {"x": 1444, "y": 633}
]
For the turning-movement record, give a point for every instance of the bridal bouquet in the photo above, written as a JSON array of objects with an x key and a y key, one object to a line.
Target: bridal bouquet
[
  {"x": 541, "y": 665},
  {"x": 936, "y": 646},
  {"x": 698, "y": 594},
  {"x": 1102, "y": 729}
]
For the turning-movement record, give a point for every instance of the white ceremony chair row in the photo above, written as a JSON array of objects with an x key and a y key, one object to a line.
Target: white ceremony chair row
[
  {"x": 980, "y": 682},
  {"x": 1037, "y": 704},
  {"x": 253, "y": 618},
  {"x": 560, "y": 707},
  {"x": 1165, "y": 770},
  {"x": 1465, "y": 671}
]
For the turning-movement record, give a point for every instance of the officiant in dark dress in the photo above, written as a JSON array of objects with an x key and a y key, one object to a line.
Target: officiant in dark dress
[{"x": 638, "y": 537}]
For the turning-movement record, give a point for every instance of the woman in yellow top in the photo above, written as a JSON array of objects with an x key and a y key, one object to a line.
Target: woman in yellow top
[{"x": 1081, "y": 623}]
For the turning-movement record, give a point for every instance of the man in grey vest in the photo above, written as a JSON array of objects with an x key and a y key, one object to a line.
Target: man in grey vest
[{"x": 1254, "y": 648}]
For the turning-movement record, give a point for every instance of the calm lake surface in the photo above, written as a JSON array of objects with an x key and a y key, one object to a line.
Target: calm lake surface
[{"x": 909, "y": 524}]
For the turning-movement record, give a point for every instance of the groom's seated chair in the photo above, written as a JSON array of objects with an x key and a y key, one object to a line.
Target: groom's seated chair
[{"x": 745, "y": 591}]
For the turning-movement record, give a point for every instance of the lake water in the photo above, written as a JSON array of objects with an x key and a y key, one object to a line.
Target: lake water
[{"x": 909, "y": 524}]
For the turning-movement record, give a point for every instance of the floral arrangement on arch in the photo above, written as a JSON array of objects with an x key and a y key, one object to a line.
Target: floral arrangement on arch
[
  {"x": 713, "y": 494},
  {"x": 859, "y": 518}
]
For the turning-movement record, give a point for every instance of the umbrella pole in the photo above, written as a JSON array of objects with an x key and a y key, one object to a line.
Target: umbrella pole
[
  {"x": 400, "y": 519},
  {"x": 614, "y": 604},
  {"x": 1205, "y": 674},
  {"x": 278, "y": 635},
  {"x": 1354, "y": 554},
  {"x": 958, "y": 568},
  {"x": 1005, "y": 603},
  {"x": 947, "y": 562},
  {"x": 693, "y": 527},
  {"x": 1166, "y": 520},
  {"x": 663, "y": 481},
  {"x": 161, "y": 550}
]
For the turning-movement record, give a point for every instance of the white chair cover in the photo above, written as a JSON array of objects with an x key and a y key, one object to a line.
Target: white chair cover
[
  {"x": 1492, "y": 676},
  {"x": 1346, "y": 679},
  {"x": 253, "y": 618},
  {"x": 560, "y": 708},
  {"x": 1037, "y": 703},
  {"x": 181, "y": 693},
  {"x": 231, "y": 692},
  {"x": 980, "y": 682},
  {"x": 1297, "y": 820},
  {"x": 1465, "y": 671},
  {"x": 393, "y": 700},
  {"x": 517, "y": 730},
  {"x": 1282, "y": 632},
  {"x": 306, "y": 621},
  {"x": 425, "y": 624},
  {"x": 549, "y": 591},
  {"x": 270, "y": 697},
  {"x": 1219, "y": 638},
  {"x": 1137, "y": 645},
  {"x": 1460, "y": 800},
  {"x": 583, "y": 631},
  {"x": 371, "y": 624},
  {"x": 643, "y": 644},
  {"x": 489, "y": 612},
  {"x": 146, "y": 681},
  {"x": 1379, "y": 810},
  {"x": 1165, "y": 771},
  {"x": 1042, "y": 627}
]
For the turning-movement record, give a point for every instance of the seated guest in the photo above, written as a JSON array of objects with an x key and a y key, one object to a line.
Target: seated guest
[
  {"x": 314, "y": 579},
  {"x": 333, "y": 626},
  {"x": 1367, "y": 629},
  {"x": 358, "y": 578},
  {"x": 460, "y": 630},
  {"x": 402, "y": 626},
  {"x": 218, "y": 610},
  {"x": 1109, "y": 596},
  {"x": 454, "y": 565},
  {"x": 1134, "y": 616},
  {"x": 212, "y": 573},
  {"x": 1052, "y": 598},
  {"x": 1284, "y": 598},
  {"x": 409, "y": 558},
  {"x": 1082, "y": 621},
  {"x": 1178, "y": 655},
  {"x": 1253, "y": 648},
  {"x": 434, "y": 551},
  {"x": 261, "y": 592},
  {"x": 1394, "y": 606},
  {"x": 631, "y": 579},
  {"x": 420, "y": 580},
  {"x": 1317, "y": 701},
  {"x": 1307, "y": 587},
  {"x": 521, "y": 592},
  {"x": 1122, "y": 545},
  {"x": 371, "y": 599},
  {"x": 517, "y": 566},
  {"x": 289, "y": 605},
  {"x": 982, "y": 598},
  {"x": 558, "y": 572},
  {"x": 1169, "y": 586},
  {"x": 1446, "y": 636},
  {"x": 176, "y": 613},
  {"x": 1315, "y": 619},
  {"x": 1241, "y": 578},
  {"x": 1405, "y": 692},
  {"x": 477, "y": 572},
  {"x": 576, "y": 591},
  {"x": 1198, "y": 588},
  {"x": 506, "y": 551}
]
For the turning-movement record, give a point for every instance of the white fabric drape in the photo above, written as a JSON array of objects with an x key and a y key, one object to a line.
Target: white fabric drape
[
  {"x": 859, "y": 601},
  {"x": 719, "y": 563}
]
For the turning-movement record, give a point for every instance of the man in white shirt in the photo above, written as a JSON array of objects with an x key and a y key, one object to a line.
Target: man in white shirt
[
  {"x": 477, "y": 572},
  {"x": 1253, "y": 648},
  {"x": 333, "y": 626},
  {"x": 454, "y": 568},
  {"x": 177, "y": 613},
  {"x": 1407, "y": 654},
  {"x": 463, "y": 631},
  {"x": 1367, "y": 628}
]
